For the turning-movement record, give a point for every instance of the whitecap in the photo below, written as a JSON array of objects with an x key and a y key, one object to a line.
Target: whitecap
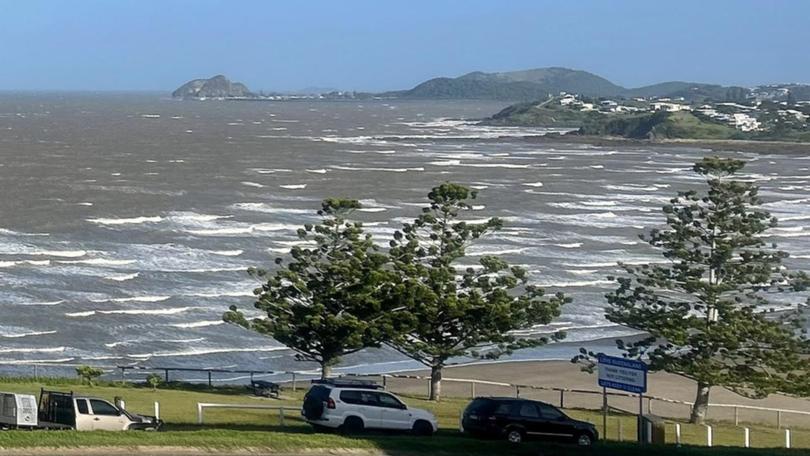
[
  {"x": 573, "y": 245},
  {"x": 533, "y": 184},
  {"x": 122, "y": 277},
  {"x": 80, "y": 314},
  {"x": 60, "y": 253},
  {"x": 125, "y": 221},
  {"x": 316, "y": 171},
  {"x": 252, "y": 184},
  {"x": 294, "y": 186},
  {"x": 171, "y": 311},
  {"x": 99, "y": 262},
  {"x": 198, "y": 324},
  {"x": 229, "y": 253}
]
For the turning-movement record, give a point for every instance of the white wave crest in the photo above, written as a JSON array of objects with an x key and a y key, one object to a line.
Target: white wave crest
[
  {"x": 198, "y": 324},
  {"x": 122, "y": 277},
  {"x": 125, "y": 221}
]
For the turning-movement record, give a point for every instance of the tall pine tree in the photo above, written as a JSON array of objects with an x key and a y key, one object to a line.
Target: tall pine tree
[
  {"x": 704, "y": 309},
  {"x": 460, "y": 311},
  {"x": 327, "y": 301}
]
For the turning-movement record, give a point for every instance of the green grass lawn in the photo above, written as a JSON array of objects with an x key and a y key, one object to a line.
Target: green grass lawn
[{"x": 233, "y": 428}]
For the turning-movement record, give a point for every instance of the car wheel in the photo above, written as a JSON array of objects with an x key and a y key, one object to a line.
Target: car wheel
[
  {"x": 422, "y": 428},
  {"x": 584, "y": 440},
  {"x": 514, "y": 435},
  {"x": 352, "y": 425}
]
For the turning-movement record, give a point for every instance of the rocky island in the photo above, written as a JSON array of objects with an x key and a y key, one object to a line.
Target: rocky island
[{"x": 216, "y": 87}]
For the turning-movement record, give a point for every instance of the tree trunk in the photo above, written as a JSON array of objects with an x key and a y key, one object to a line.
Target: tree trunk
[
  {"x": 701, "y": 406},
  {"x": 435, "y": 383},
  {"x": 326, "y": 371}
]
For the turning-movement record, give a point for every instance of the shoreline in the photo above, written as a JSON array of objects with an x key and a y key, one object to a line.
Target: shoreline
[{"x": 719, "y": 145}]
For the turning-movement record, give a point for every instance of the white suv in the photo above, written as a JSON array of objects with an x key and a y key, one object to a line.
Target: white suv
[{"x": 354, "y": 406}]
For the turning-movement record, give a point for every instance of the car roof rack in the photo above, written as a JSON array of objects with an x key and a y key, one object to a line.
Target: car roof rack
[{"x": 348, "y": 383}]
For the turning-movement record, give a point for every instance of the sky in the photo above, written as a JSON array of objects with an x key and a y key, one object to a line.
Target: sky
[{"x": 377, "y": 45}]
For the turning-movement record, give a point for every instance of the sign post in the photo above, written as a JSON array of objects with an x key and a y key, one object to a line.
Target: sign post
[{"x": 625, "y": 375}]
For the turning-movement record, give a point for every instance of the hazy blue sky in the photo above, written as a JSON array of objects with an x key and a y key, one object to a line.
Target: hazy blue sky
[{"x": 386, "y": 44}]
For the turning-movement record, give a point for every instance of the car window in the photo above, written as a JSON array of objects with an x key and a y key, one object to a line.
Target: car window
[
  {"x": 528, "y": 411},
  {"x": 359, "y": 397},
  {"x": 504, "y": 408},
  {"x": 550, "y": 413},
  {"x": 103, "y": 408},
  {"x": 386, "y": 400},
  {"x": 319, "y": 392},
  {"x": 81, "y": 406},
  {"x": 351, "y": 397},
  {"x": 480, "y": 406}
]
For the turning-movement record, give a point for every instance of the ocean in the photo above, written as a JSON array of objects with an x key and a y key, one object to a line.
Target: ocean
[{"x": 127, "y": 221}]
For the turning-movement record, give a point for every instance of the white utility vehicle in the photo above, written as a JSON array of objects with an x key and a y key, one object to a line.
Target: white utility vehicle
[
  {"x": 85, "y": 413},
  {"x": 353, "y": 406}
]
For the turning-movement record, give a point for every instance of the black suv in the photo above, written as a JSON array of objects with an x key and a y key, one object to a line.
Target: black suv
[{"x": 519, "y": 419}]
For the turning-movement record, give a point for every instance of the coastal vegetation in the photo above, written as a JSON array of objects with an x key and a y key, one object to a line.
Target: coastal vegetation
[
  {"x": 340, "y": 294},
  {"x": 329, "y": 300},
  {"x": 661, "y": 119},
  {"x": 471, "y": 315},
  {"x": 708, "y": 307}
]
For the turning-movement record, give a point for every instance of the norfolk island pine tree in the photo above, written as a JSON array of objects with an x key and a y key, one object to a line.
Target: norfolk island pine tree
[
  {"x": 471, "y": 312},
  {"x": 326, "y": 302},
  {"x": 704, "y": 308}
]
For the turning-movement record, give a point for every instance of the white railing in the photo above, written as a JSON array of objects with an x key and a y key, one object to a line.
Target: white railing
[
  {"x": 201, "y": 406},
  {"x": 518, "y": 387}
]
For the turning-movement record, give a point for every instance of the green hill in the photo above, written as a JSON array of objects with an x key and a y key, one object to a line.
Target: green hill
[
  {"x": 659, "y": 125},
  {"x": 540, "y": 83},
  {"x": 543, "y": 114}
]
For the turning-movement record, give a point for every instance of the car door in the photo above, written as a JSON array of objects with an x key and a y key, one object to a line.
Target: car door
[
  {"x": 363, "y": 404},
  {"x": 528, "y": 416},
  {"x": 394, "y": 414},
  {"x": 84, "y": 420},
  {"x": 107, "y": 417},
  {"x": 554, "y": 423}
]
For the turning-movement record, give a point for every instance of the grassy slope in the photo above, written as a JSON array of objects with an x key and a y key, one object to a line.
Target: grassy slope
[
  {"x": 683, "y": 125},
  {"x": 249, "y": 428}
]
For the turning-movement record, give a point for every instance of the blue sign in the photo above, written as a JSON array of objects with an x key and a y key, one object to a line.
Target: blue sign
[{"x": 622, "y": 374}]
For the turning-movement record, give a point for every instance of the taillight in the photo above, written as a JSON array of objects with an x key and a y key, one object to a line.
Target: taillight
[{"x": 330, "y": 403}]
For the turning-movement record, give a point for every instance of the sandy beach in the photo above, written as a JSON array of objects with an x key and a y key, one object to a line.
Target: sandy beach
[{"x": 560, "y": 374}]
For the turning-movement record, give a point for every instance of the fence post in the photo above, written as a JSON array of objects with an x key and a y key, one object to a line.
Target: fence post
[
  {"x": 517, "y": 391},
  {"x": 209, "y": 379},
  {"x": 199, "y": 413},
  {"x": 166, "y": 378},
  {"x": 157, "y": 410},
  {"x": 649, "y": 405},
  {"x": 36, "y": 372},
  {"x": 787, "y": 438},
  {"x": 281, "y": 415},
  {"x": 778, "y": 419},
  {"x": 677, "y": 434},
  {"x": 708, "y": 436},
  {"x": 736, "y": 416},
  {"x": 562, "y": 398},
  {"x": 385, "y": 382},
  {"x": 747, "y": 442},
  {"x": 620, "y": 429},
  {"x": 293, "y": 379},
  {"x": 122, "y": 375},
  {"x": 472, "y": 390}
]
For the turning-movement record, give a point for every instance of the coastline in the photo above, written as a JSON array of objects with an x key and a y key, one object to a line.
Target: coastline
[{"x": 719, "y": 145}]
